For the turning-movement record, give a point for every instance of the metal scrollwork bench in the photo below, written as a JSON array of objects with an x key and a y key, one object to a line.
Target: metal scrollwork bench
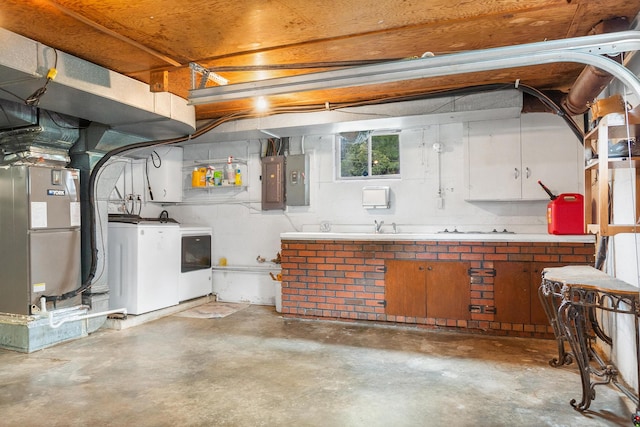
[{"x": 573, "y": 297}]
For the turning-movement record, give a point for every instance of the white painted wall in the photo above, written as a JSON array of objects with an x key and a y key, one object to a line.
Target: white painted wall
[{"x": 243, "y": 232}]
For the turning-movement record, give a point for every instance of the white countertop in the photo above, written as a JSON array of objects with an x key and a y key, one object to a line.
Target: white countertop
[{"x": 474, "y": 237}]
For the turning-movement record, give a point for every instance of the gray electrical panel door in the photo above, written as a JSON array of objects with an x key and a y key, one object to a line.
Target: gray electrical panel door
[
  {"x": 273, "y": 183},
  {"x": 297, "y": 182}
]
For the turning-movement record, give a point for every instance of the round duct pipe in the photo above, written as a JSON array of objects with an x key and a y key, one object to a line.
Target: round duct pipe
[{"x": 592, "y": 80}]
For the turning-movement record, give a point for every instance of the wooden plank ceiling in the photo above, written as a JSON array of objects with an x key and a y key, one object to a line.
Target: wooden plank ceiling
[{"x": 137, "y": 38}]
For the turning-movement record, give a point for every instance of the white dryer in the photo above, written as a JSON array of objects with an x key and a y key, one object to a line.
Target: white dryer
[{"x": 195, "y": 262}]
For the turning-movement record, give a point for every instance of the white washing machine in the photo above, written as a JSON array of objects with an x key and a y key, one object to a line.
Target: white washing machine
[
  {"x": 144, "y": 265},
  {"x": 195, "y": 262}
]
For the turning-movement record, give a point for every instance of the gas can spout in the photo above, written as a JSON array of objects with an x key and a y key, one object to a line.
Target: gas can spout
[{"x": 544, "y": 187}]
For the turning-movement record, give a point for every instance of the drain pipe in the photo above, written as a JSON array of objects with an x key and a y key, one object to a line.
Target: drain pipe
[
  {"x": 592, "y": 80},
  {"x": 83, "y": 317}
]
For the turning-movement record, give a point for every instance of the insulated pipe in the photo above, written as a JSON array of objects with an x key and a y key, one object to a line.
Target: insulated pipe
[
  {"x": 591, "y": 80},
  {"x": 587, "y": 86}
]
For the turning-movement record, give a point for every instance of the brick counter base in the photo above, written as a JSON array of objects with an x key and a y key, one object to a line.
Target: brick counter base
[{"x": 345, "y": 280}]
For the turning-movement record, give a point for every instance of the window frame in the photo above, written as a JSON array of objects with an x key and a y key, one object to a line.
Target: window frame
[{"x": 338, "y": 158}]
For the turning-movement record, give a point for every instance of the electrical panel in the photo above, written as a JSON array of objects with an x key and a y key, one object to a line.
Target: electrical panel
[
  {"x": 273, "y": 183},
  {"x": 297, "y": 182}
]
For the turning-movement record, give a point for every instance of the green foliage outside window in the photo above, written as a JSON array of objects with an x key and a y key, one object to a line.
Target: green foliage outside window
[{"x": 377, "y": 155}]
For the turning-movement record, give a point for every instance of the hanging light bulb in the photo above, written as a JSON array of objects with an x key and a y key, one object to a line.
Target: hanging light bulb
[{"x": 261, "y": 104}]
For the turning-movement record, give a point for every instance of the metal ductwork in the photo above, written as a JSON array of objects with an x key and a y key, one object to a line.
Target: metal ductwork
[
  {"x": 88, "y": 91},
  {"x": 33, "y": 135},
  {"x": 592, "y": 81}
]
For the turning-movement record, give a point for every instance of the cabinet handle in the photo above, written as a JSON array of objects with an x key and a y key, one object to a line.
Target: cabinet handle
[
  {"x": 527, "y": 172},
  {"x": 420, "y": 268},
  {"x": 429, "y": 268},
  {"x": 517, "y": 174}
]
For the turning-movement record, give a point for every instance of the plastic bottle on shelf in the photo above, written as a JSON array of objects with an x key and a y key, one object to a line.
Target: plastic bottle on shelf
[
  {"x": 238, "y": 180},
  {"x": 230, "y": 172},
  {"x": 217, "y": 178},
  {"x": 199, "y": 177},
  {"x": 210, "y": 174}
]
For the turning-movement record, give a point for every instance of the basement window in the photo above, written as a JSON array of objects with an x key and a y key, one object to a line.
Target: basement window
[{"x": 365, "y": 155}]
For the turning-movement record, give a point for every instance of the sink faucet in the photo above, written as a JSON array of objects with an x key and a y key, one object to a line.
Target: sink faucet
[{"x": 378, "y": 225}]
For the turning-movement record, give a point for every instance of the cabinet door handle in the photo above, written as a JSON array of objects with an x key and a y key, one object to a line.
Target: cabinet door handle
[
  {"x": 429, "y": 268},
  {"x": 420, "y": 268},
  {"x": 517, "y": 173},
  {"x": 527, "y": 172}
]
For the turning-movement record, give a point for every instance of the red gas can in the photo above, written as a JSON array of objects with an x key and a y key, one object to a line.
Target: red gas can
[{"x": 565, "y": 214}]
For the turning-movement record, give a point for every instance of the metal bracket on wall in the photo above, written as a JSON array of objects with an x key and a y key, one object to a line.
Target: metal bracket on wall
[
  {"x": 477, "y": 308},
  {"x": 482, "y": 272}
]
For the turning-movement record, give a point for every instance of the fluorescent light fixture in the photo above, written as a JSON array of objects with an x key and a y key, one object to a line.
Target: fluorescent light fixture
[{"x": 590, "y": 50}]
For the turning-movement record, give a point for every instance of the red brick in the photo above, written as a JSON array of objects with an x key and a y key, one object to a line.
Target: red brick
[
  {"x": 472, "y": 257},
  {"x": 586, "y": 250},
  {"x": 345, "y": 254},
  {"x": 297, "y": 246},
  {"x": 315, "y": 246},
  {"x": 344, "y": 294},
  {"x": 427, "y": 256},
  {"x": 355, "y": 274},
  {"x": 483, "y": 249},
  {"x": 546, "y": 258},
  {"x": 497, "y": 257}
]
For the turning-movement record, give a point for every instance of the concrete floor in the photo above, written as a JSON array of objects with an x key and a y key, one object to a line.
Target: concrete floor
[{"x": 254, "y": 368}]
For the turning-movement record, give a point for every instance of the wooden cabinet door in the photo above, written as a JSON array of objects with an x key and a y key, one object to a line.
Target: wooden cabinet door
[
  {"x": 512, "y": 292},
  {"x": 448, "y": 290},
  {"x": 405, "y": 289}
]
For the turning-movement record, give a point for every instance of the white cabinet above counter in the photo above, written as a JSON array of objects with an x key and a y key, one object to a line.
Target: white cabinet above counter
[{"x": 504, "y": 160}]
